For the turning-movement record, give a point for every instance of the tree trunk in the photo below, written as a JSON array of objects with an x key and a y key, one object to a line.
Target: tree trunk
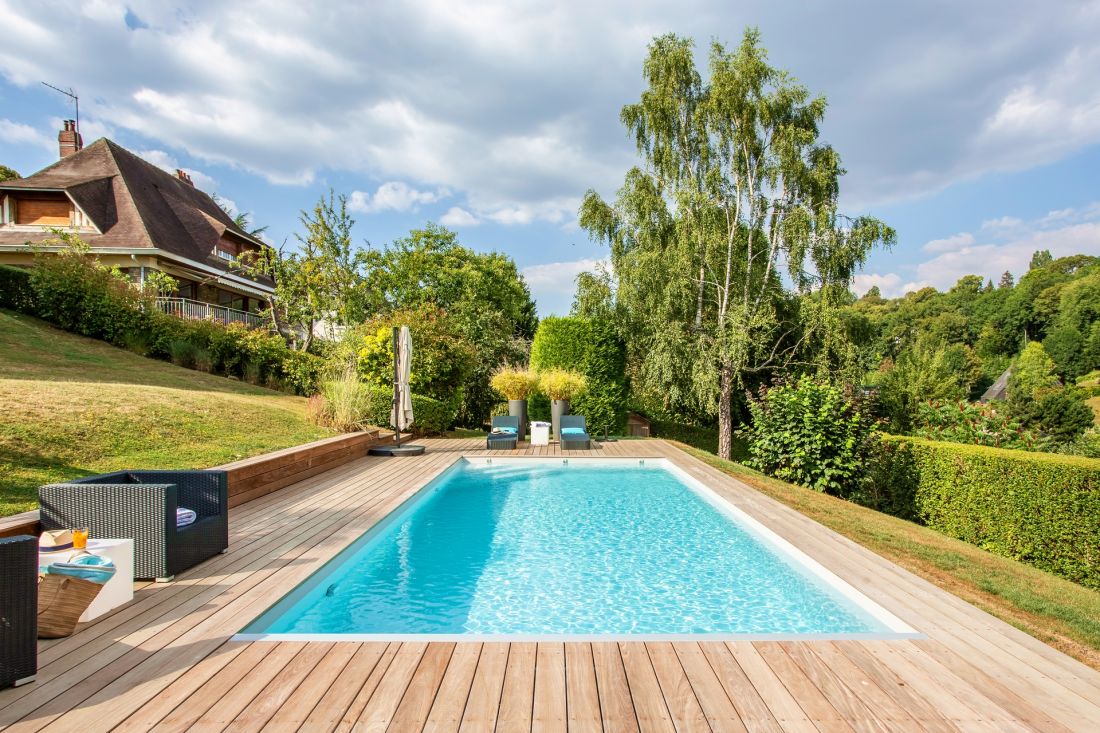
[{"x": 725, "y": 422}]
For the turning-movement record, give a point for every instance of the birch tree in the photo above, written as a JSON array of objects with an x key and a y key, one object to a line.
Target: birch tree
[{"x": 726, "y": 241}]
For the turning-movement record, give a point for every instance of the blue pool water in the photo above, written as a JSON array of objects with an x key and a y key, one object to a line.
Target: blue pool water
[{"x": 546, "y": 549}]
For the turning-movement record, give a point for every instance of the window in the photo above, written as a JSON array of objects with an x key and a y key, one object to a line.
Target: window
[
  {"x": 224, "y": 254},
  {"x": 50, "y": 212}
]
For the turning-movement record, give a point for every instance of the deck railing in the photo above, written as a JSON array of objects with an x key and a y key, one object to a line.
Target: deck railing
[{"x": 195, "y": 310}]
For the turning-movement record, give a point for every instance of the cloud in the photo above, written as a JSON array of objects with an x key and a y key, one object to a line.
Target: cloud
[
  {"x": 890, "y": 285},
  {"x": 954, "y": 242},
  {"x": 16, "y": 133},
  {"x": 515, "y": 105},
  {"x": 553, "y": 285},
  {"x": 1004, "y": 222},
  {"x": 458, "y": 217},
  {"x": 393, "y": 196},
  {"x": 165, "y": 161}
]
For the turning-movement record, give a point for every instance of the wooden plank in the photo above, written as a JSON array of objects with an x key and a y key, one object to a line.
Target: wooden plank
[
  {"x": 346, "y": 699},
  {"x": 843, "y": 697},
  {"x": 257, "y": 713},
  {"x": 483, "y": 703},
  {"x": 517, "y": 698},
  {"x": 446, "y": 713},
  {"x": 686, "y": 712},
  {"x": 581, "y": 693},
  {"x": 751, "y": 708},
  {"x": 549, "y": 712},
  {"x": 801, "y": 688},
  {"x": 383, "y": 704},
  {"x": 616, "y": 705},
  {"x": 311, "y": 690},
  {"x": 645, "y": 690},
  {"x": 417, "y": 701},
  {"x": 719, "y": 710}
]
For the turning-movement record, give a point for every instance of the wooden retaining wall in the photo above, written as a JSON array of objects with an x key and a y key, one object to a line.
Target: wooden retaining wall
[{"x": 251, "y": 478}]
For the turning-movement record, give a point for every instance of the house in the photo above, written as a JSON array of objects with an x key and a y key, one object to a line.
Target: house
[
  {"x": 138, "y": 218},
  {"x": 999, "y": 389}
]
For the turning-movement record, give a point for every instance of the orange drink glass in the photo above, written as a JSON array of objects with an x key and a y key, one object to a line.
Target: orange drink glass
[{"x": 80, "y": 538}]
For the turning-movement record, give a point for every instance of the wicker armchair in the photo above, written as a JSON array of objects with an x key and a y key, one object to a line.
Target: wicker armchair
[
  {"x": 18, "y": 609},
  {"x": 141, "y": 505},
  {"x": 574, "y": 440}
]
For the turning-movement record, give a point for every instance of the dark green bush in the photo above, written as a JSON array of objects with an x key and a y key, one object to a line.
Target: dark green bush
[
  {"x": 561, "y": 343},
  {"x": 15, "y": 288},
  {"x": 1038, "y": 508},
  {"x": 810, "y": 433},
  {"x": 1060, "y": 415},
  {"x": 74, "y": 292},
  {"x": 430, "y": 416}
]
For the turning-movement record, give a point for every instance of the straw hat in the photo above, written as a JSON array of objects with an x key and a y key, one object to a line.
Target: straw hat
[{"x": 55, "y": 540}]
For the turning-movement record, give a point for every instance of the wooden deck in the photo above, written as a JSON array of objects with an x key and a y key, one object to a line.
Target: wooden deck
[{"x": 166, "y": 662}]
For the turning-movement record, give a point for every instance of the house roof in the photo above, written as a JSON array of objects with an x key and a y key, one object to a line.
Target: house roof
[
  {"x": 133, "y": 204},
  {"x": 999, "y": 389}
]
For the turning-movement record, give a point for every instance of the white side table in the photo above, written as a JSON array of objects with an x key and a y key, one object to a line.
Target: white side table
[
  {"x": 119, "y": 589},
  {"x": 540, "y": 433}
]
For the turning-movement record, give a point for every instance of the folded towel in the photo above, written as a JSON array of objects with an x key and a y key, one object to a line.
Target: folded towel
[
  {"x": 504, "y": 431},
  {"x": 89, "y": 567},
  {"x": 572, "y": 431},
  {"x": 185, "y": 517}
]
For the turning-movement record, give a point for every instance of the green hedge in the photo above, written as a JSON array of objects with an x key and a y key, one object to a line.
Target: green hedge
[
  {"x": 1038, "y": 508},
  {"x": 72, "y": 291},
  {"x": 430, "y": 416},
  {"x": 594, "y": 349},
  {"x": 15, "y": 288}
]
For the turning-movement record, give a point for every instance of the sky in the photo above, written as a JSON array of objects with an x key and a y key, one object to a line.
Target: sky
[{"x": 971, "y": 128}]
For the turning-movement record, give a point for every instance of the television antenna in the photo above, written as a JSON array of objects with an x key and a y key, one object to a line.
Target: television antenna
[{"x": 71, "y": 95}]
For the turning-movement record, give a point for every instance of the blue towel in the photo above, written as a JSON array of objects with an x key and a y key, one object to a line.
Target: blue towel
[
  {"x": 504, "y": 431},
  {"x": 572, "y": 431},
  {"x": 89, "y": 567},
  {"x": 185, "y": 516}
]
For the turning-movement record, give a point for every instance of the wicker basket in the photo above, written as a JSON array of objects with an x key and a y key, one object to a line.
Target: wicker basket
[{"x": 61, "y": 601}]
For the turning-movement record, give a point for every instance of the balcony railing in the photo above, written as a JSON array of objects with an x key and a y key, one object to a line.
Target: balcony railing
[{"x": 194, "y": 310}]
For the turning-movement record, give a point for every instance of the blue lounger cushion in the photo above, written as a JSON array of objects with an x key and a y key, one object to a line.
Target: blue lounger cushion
[{"x": 573, "y": 431}]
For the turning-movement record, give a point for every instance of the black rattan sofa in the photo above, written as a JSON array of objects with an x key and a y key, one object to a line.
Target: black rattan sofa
[
  {"x": 18, "y": 609},
  {"x": 503, "y": 441},
  {"x": 141, "y": 505},
  {"x": 570, "y": 438}
]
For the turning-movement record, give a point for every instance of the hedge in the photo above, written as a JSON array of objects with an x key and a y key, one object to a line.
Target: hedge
[
  {"x": 1038, "y": 508},
  {"x": 594, "y": 349},
  {"x": 430, "y": 416},
  {"x": 15, "y": 288},
  {"x": 76, "y": 294}
]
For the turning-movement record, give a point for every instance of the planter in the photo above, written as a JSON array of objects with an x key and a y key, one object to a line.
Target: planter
[
  {"x": 557, "y": 409},
  {"x": 518, "y": 408}
]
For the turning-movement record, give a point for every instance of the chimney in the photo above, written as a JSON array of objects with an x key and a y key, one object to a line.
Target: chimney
[
  {"x": 69, "y": 140},
  {"x": 184, "y": 176}
]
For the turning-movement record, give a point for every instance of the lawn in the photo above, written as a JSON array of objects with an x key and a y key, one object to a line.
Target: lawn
[
  {"x": 73, "y": 406},
  {"x": 1056, "y": 611}
]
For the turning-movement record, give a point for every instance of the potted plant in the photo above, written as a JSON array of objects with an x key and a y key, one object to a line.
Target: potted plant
[
  {"x": 516, "y": 385},
  {"x": 561, "y": 386}
]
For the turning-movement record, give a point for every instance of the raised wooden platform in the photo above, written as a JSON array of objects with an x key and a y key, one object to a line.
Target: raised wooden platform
[{"x": 165, "y": 662}]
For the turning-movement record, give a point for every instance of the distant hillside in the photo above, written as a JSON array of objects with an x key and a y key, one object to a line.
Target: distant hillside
[{"x": 73, "y": 406}]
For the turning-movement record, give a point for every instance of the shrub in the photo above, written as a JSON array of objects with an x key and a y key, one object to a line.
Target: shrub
[
  {"x": 1038, "y": 508},
  {"x": 430, "y": 416},
  {"x": 810, "y": 433},
  {"x": 561, "y": 384},
  {"x": 560, "y": 343},
  {"x": 183, "y": 353},
  {"x": 514, "y": 384},
  {"x": 347, "y": 402},
  {"x": 972, "y": 423},
  {"x": 15, "y": 288}
]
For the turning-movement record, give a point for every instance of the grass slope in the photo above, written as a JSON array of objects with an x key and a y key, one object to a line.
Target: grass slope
[
  {"x": 73, "y": 406},
  {"x": 1056, "y": 611}
]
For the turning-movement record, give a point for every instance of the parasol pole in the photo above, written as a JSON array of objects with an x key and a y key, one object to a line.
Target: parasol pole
[{"x": 396, "y": 390}]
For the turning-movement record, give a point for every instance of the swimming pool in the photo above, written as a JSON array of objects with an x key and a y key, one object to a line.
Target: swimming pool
[{"x": 571, "y": 548}]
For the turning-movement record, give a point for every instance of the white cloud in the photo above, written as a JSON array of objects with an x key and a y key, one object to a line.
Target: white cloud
[
  {"x": 948, "y": 244},
  {"x": 1004, "y": 222},
  {"x": 16, "y": 133},
  {"x": 890, "y": 284},
  {"x": 553, "y": 285},
  {"x": 458, "y": 217},
  {"x": 393, "y": 196},
  {"x": 165, "y": 161}
]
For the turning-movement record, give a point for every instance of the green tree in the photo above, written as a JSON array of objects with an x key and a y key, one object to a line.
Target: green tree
[
  {"x": 483, "y": 294},
  {"x": 1041, "y": 258},
  {"x": 8, "y": 174},
  {"x": 928, "y": 370},
  {"x": 1006, "y": 280},
  {"x": 736, "y": 185},
  {"x": 1033, "y": 373},
  {"x": 595, "y": 295}
]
